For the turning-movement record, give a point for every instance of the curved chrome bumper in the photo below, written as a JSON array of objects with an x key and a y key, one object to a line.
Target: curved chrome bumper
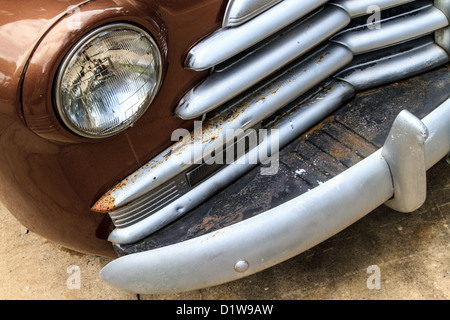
[{"x": 297, "y": 225}]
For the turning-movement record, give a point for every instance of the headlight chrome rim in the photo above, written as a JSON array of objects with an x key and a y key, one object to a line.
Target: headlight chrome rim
[{"x": 87, "y": 38}]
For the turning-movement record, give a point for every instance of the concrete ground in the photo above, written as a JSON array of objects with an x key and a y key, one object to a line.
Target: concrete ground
[{"x": 386, "y": 255}]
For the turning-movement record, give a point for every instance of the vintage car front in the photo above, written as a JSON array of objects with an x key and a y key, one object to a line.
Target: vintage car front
[{"x": 202, "y": 141}]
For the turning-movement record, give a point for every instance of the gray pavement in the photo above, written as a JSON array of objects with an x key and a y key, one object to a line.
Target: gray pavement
[{"x": 385, "y": 255}]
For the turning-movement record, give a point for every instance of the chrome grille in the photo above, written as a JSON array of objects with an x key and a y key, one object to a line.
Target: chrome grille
[
  {"x": 227, "y": 83},
  {"x": 289, "y": 81}
]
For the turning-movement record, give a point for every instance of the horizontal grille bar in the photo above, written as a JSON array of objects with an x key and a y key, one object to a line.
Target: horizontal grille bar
[
  {"x": 227, "y": 42},
  {"x": 414, "y": 24},
  {"x": 423, "y": 56}
]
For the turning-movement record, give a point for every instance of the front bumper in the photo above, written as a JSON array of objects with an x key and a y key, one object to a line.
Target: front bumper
[{"x": 394, "y": 174}]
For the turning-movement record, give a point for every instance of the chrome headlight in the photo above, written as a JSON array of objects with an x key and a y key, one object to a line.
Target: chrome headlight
[{"x": 108, "y": 80}]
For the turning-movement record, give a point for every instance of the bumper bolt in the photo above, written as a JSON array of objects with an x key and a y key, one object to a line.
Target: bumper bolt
[{"x": 241, "y": 266}]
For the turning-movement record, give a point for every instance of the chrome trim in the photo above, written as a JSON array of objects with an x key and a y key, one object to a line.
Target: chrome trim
[
  {"x": 424, "y": 57},
  {"x": 241, "y": 11},
  {"x": 221, "y": 86},
  {"x": 225, "y": 43},
  {"x": 147, "y": 205},
  {"x": 438, "y": 141},
  {"x": 275, "y": 235},
  {"x": 414, "y": 24},
  {"x": 404, "y": 151}
]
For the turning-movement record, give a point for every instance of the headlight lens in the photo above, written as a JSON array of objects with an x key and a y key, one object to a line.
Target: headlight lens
[{"x": 108, "y": 80}]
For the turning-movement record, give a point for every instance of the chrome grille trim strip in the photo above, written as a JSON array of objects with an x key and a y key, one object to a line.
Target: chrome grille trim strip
[
  {"x": 227, "y": 42},
  {"x": 412, "y": 25},
  {"x": 240, "y": 11},
  {"x": 146, "y": 208},
  {"x": 148, "y": 204}
]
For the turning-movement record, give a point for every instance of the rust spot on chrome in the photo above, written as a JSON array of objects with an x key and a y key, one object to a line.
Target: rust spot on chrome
[
  {"x": 106, "y": 204},
  {"x": 322, "y": 57}
]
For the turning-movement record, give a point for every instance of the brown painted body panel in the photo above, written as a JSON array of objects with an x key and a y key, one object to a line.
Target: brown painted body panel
[
  {"x": 20, "y": 31},
  {"x": 49, "y": 178}
]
